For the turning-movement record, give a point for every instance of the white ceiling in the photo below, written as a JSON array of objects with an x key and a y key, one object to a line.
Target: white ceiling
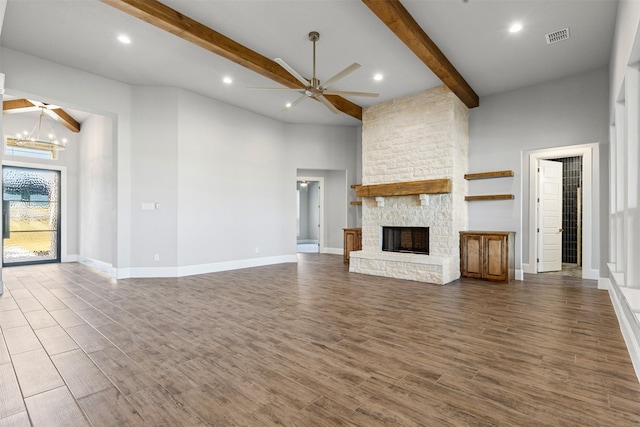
[{"x": 473, "y": 35}]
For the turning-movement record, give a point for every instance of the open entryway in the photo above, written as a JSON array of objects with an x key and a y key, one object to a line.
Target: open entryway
[
  {"x": 31, "y": 216},
  {"x": 309, "y": 215}
]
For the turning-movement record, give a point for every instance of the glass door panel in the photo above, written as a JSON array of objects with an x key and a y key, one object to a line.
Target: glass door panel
[{"x": 31, "y": 209}]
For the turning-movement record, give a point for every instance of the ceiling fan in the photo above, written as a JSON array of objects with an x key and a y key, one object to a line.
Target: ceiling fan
[{"x": 313, "y": 88}]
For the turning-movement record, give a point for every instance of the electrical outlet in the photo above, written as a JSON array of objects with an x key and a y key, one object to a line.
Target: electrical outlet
[{"x": 156, "y": 257}]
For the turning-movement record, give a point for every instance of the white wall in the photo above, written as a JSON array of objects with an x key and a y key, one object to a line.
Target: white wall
[
  {"x": 97, "y": 185},
  {"x": 154, "y": 176},
  {"x": 624, "y": 41},
  {"x": 234, "y": 200},
  {"x": 67, "y": 159},
  {"x": 564, "y": 112}
]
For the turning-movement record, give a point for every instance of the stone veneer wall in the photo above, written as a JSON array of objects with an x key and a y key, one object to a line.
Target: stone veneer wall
[{"x": 417, "y": 137}]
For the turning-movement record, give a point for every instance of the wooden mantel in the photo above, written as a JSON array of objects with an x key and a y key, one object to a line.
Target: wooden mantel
[{"x": 408, "y": 188}]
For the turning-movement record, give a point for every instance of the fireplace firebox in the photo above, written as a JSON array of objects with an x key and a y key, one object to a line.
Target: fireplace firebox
[{"x": 413, "y": 240}]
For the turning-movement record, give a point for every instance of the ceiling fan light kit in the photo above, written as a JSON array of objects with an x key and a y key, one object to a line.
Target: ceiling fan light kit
[{"x": 313, "y": 87}]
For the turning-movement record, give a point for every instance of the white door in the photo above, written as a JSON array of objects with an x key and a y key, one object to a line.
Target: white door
[{"x": 549, "y": 216}]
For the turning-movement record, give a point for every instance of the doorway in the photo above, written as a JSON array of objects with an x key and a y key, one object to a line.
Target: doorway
[
  {"x": 31, "y": 216},
  {"x": 566, "y": 215},
  {"x": 581, "y": 164},
  {"x": 310, "y": 191}
]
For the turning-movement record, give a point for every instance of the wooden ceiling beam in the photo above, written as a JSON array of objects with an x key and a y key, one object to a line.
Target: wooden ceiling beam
[
  {"x": 18, "y": 106},
  {"x": 66, "y": 119},
  {"x": 172, "y": 21},
  {"x": 393, "y": 14},
  {"x": 58, "y": 114}
]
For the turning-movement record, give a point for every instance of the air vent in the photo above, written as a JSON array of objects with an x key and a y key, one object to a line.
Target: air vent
[{"x": 557, "y": 36}]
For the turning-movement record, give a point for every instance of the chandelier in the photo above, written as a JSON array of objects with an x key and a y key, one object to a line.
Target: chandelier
[{"x": 36, "y": 139}]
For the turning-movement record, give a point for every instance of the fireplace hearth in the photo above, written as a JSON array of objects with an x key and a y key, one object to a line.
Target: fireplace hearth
[{"x": 414, "y": 240}]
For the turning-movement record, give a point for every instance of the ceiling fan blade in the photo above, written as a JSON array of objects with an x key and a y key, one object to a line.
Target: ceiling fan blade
[
  {"x": 291, "y": 71},
  {"x": 294, "y": 103},
  {"x": 350, "y": 69},
  {"x": 350, "y": 93},
  {"x": 328, "y": 104}
]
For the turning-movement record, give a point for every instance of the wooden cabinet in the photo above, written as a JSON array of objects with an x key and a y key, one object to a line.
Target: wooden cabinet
[
  {"x": 352, "y": 241},
  {"x": 487, "y": 255}
]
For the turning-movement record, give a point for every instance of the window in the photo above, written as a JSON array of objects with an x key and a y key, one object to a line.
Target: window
[{"x": 40, "y": 151}]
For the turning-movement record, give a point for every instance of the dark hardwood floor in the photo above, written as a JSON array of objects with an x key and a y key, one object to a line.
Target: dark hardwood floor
[{"x": 308, "y": 345}]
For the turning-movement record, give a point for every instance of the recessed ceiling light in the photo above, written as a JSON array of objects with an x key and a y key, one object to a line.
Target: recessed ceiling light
[
  {"x": 227, "y": 80},
  {"x": 378, "y": 77},
  {"x": 288, "y": 105},
  {"x": 124, "y": 39},
  {"x": 515, "y": 27}
]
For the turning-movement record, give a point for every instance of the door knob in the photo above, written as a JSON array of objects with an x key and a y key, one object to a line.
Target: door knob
[{"x": 560, "y": 230}]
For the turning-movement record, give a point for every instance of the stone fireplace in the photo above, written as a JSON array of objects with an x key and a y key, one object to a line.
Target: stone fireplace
[{"x": 418, "y": 137}]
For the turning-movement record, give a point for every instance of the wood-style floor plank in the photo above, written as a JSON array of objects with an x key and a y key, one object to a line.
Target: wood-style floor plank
[
  {"x": 40, "y": 319},
  {"x": 109, "y": 407},
  {"x": 36, "y": 373},
  {"x": 55, "y": 340},
  {"x": 21, "y": 419},
  {"x": 55, "y": 408},
  {"x": 12, "y": 319},
  {"x": 309, "y": 344},
  {"x": 80, "y": 374},
  {"x": 21, "y": 339},
  {"x": 4, "y": 351},
  {"x": 11, "y": 401}
]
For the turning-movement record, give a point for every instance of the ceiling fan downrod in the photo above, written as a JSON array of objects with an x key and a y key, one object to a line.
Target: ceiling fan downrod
[{"x": 314, "y": 36}]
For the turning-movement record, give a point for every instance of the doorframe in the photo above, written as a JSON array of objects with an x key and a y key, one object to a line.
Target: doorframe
[
  {"x": 64, "y": 256},
  {"x": 320, "y": 180},
  {"x": 590, "y": 181}
]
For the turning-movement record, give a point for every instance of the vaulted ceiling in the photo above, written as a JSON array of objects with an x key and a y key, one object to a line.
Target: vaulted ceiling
[{"x": 474, "y": 36}]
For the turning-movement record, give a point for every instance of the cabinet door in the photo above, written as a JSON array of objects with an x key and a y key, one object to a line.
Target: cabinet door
[
  {"x": 350, "y": 242},
  {"x": 495, "y": 257},
  {"x": 471, "y": 255}
]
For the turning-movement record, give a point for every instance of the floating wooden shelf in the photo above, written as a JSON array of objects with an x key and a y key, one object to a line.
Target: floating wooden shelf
[
  {"x": 408, "y": 188},
  {"x": 354, "y": 186},
  {"x": 486, "y": 175},
  {"x": 355, "y": 202},
  {"x": 490, "y": 197}
]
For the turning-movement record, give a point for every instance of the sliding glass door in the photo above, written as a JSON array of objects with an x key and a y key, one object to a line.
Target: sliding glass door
[{"x": 31, "y": 216}]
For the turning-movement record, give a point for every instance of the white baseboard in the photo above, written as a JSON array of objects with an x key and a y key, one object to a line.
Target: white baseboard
[
  {"x": 626, "y": 319},
  {"x": 190, "y": 270},
  {"x": 519, "y": 275},
  {"x": 591, "y": 274},
  {"x": 528, "y": 268},
  {"x": 333, "y": 251},
  {"x": 70, "y": 258},
  {"x": 98, "y": 265},
  {"x": 604, "y": 283}
]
